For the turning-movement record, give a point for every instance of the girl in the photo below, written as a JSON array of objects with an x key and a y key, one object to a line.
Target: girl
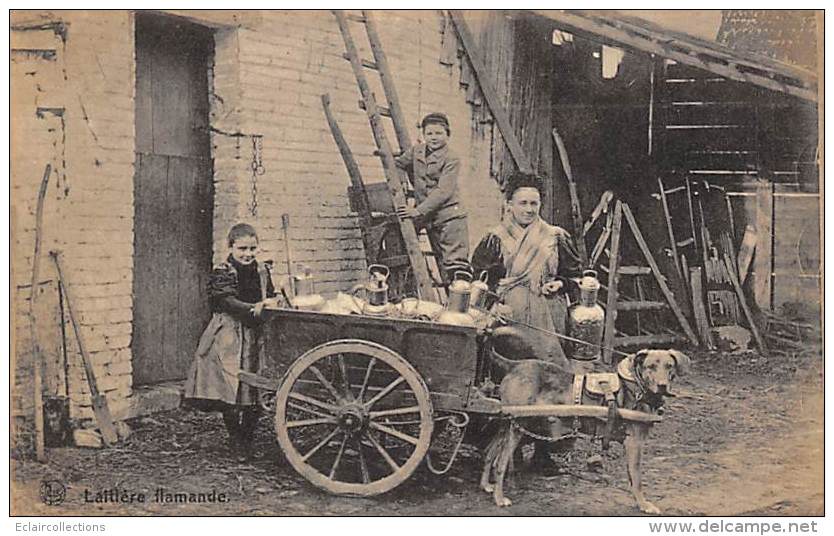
[{"x": 238, "y": 290}]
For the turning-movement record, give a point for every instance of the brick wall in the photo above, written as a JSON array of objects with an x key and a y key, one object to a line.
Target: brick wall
[
  {"x": 269, "y": 76},
  {"x": 268, "y": 73},
  {"x": 84, "y": 86}
]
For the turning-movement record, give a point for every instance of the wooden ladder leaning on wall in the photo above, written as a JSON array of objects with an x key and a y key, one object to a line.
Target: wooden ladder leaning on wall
[{"x": 394, "y": 177}]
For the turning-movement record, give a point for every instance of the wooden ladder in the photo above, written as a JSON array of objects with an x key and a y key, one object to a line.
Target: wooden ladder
[
  {"x": 612, "y": 235},
  {"x": 396, "y": 178}
]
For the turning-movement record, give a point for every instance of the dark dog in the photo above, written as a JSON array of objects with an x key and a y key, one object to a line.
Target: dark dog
[{"x": 645, "y": 377}]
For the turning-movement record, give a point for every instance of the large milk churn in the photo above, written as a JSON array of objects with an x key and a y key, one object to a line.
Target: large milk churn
[
  {"x": 586, "y": 319},
  {"x": 457, "y": 305}
]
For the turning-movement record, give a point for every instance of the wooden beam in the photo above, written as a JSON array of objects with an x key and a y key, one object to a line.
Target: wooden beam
[
  {"x": 619, "y": 37},
  {"x": 661, "y": 281},
  {"x": 744, "y": 307},
  {"x": 613, "y": 279},
  {"x": 763, "y": 260},
  {"x": 570, "y": 410},
  {"x": 575, "y": 210},
  {"x": 492, "y": 100},
  {"x": 700, "y": 312},
  {"x": 363, "y": 204}
]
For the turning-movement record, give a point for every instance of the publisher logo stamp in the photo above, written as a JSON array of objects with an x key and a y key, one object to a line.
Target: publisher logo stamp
[{"x": 53, "y": 492}]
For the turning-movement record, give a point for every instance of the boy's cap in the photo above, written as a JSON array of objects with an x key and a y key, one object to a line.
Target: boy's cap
[{"x": 435, "y": 118}]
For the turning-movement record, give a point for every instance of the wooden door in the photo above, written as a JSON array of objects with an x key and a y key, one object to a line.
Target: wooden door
[{"x": 172, "y": 196}]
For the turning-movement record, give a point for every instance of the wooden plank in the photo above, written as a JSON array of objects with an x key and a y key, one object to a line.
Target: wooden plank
[
  {"x": 763, "y": 260},
  {"x": 661, "y": 281},
  {"x": 492, "y": 99},
  {"x": 571, "y": 410},
  {"x": 673, "y": 243},
  {"x": 613, "y": 279},
  {"x": 149, "y": 225},
  {"x": 744, "y": 307},
  {"x": 395, "y": 177},
  {"x": 745, "y": 252},
  {"x": 642, "y": 305},
  {"x": 37, "y": 353},
  {"x": 575, "y": 209},
  {"x": 171, "y": 263},
  {"x": 700, "y": 312}
]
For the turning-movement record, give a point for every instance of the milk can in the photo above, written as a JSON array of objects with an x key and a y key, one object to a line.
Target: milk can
[
  {"x": 306, "y": 298},
  {"x": 478, "y": 296},
  {"x": 586, "y": 319},
  {"x": 457, "y": 304},
  {"x": 376, "y": 291}
]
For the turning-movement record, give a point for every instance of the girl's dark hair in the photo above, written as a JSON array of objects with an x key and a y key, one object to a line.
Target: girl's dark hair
[
  {"x": 519, "y": 179},
  {"x": 239, "y": 231}
]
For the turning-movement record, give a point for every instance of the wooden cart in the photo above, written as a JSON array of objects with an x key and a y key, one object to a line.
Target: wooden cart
[{"x": 356, "y": 397}]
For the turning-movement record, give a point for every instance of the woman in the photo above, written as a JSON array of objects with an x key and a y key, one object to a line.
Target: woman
[{"x": 530, "y": 263}]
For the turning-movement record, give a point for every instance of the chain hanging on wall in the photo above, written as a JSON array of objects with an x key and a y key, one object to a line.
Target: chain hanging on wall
[
  {"x": 256, "y": 167},
  {"x": 257, "y": 170}
]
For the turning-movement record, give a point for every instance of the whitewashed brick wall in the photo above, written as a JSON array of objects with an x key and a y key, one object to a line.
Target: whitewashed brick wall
[
  {"x": 89, "y": 206},
  {"x": 269, "y": 71}
]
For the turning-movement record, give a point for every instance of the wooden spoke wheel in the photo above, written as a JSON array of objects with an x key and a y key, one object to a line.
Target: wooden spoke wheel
[{"x": 353, "y": 417}]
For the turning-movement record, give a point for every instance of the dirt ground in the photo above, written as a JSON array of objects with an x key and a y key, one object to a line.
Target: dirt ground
[{"x": 743, "y": 436}]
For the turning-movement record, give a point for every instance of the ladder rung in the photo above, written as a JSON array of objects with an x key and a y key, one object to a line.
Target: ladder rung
[
  {"x": 687, "y": 242},
  {"x": 356, "y": 18},
  {"x": 629, "y": 270},
  {"x": 641, "y": 305},
  {"x": 643, "y": 340},
  {"x": 674, "y": 190},
  {"x": 381, "y": 110},
  {"x": 368, "y": 64}
]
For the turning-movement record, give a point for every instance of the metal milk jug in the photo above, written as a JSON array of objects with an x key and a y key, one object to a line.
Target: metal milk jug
[
  {"x": 376, "y": 291},
  {"x": 457, "y": 304},
  {"x": 478, "y": 296},
  {"x": 586, "y": 319},
  {"x": 306, "y": 298}
]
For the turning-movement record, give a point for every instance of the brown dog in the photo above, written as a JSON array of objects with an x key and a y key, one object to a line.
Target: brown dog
[{"x": 645, "y": 379}]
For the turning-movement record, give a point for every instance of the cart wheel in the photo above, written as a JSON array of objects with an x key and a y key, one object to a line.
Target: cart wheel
[{"x": 353, "y": 417}]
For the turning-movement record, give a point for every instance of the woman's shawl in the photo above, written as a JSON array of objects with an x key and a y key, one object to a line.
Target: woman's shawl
[{"x": 531, "y": 253}]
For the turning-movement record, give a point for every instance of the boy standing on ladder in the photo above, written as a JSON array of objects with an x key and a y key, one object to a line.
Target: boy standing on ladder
[{"x": 433, "y": 170}]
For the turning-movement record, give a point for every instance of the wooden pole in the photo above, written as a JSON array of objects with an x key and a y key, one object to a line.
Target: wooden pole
[
  {"x": 100, "y": 408},
  {"x": 613, "y": 279},
  {"x": 698, "y": 309},
  {"x": 363, "y": 203},
  {"x": 575, "y": 210},
  {"x": 37, "y": 354},
  {"x": 744, "y": 307}
]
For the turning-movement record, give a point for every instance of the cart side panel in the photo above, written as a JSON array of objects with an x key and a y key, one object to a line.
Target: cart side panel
[{"x": 445, "y": 356}]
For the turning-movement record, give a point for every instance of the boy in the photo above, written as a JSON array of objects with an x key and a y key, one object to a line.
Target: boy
[{"x": 433, "y": 170}]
